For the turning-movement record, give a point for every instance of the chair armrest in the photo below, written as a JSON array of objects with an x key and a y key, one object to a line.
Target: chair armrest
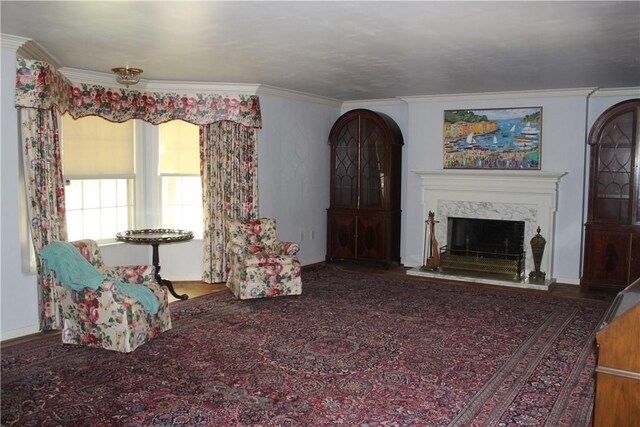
[
  {"x": 103, "y": 296},
  {"x": 285, "y": 248},
  {"x": 108, "y": 291},
  {"x": 233, "y": 249},
  {"x": 107, "y": 295},
  {"x": 135, "y": 274}
]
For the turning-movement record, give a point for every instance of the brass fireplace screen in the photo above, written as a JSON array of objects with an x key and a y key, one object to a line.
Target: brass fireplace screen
[{"x": 484, "y": 248}]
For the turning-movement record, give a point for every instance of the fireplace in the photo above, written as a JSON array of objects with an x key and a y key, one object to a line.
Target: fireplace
[
  {"x": 484, "y": 248},
  {"x": 529, "y": 197}
]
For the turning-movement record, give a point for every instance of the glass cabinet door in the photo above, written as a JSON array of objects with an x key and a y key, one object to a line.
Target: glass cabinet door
[
  {"x": 613, "y": 180},
  {"x": 346, "y": 166},
  {"x": 373, "y": 161}
]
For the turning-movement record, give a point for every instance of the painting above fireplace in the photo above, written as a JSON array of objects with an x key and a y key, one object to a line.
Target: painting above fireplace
[{"x": 495, "y": 138}]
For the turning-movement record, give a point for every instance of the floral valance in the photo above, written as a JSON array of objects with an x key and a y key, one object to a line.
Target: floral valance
[{"x": 40, "y": 86}]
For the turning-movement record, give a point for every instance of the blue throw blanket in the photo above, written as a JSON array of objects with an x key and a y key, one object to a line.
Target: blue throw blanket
[{"x": 76, "y": 273}]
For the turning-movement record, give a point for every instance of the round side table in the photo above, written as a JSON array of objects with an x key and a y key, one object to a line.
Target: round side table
[{"x": 156, "y": 237}]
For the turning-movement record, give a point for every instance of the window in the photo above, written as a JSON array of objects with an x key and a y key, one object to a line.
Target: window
[
  {"x": 111, "y": 189},
  {"x": 179, "y": 171},
  {"x": 98, "y": 208},
  {"x": 98, "y": 159}
]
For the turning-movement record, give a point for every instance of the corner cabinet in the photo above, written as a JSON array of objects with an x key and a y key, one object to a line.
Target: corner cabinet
[
  {"x": 364, "y": 215},
  {"x": 612, "y": 231}
]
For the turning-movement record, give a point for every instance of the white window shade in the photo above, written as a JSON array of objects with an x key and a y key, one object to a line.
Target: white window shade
[
  {"x": 96, "y": 148},
  {"x": 179, "y": 149}
]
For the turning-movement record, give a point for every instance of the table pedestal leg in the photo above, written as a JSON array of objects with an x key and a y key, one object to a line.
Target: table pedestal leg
[{"x": 164, "y": 282}]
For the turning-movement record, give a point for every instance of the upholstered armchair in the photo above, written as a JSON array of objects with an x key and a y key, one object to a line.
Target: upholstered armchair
[
  {"x": 258, "y": 264},
  {"x": 105, "y": 317}
]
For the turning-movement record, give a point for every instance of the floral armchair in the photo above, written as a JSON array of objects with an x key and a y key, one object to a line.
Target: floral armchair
[
  {"x": 259, "y": 265},
  {"x": 105, "y": 318}
]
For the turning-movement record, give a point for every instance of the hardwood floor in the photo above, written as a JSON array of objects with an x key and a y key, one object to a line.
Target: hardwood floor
[{"x": 196, "y": 289}]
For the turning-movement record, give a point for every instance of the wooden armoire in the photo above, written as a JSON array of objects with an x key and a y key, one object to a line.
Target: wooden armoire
[
  {"x": 612, "y": 230},
  {"x": 364, "y": 213}
]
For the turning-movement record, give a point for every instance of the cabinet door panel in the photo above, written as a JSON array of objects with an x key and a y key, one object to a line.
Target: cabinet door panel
[
  {"x": 371, "y": 237},
  {"x": 608, "y": 258},
  {"x": 342, "y": 233}
]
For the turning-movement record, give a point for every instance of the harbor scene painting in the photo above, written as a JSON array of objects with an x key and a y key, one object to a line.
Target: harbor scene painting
[{"x": 500, "y": 138}]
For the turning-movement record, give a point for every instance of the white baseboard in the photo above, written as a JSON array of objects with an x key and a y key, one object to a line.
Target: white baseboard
[
  {"x": 17, "y": 333},
  {"x": 568, "y": 280},
  {"x": 187, "y": 278}
]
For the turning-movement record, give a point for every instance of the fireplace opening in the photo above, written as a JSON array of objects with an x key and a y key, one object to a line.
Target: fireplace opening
[
  {"x": 488, "y": 237},
  {"x": 484, "y": 248}
]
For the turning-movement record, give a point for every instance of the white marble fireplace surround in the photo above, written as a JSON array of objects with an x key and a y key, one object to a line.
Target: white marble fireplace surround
[{"x": 528, "y": 196}]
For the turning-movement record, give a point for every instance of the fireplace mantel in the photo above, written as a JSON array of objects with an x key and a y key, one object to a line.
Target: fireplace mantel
[
  {"x": 529, "y": 196},
  {"x": 527, "y": 182}
]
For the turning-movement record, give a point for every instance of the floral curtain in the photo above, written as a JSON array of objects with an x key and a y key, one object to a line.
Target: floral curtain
[
  {"x": 41, "y": 87},
  {"x": 42, "y": 93},
  {"x": 229, "y": 172},
  {"x": 45, "y": 190}
]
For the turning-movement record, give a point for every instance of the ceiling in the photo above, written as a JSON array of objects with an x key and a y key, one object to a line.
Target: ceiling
[{"x": 346, "y": 50}]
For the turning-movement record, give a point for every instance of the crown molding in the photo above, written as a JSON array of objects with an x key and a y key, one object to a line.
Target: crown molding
[
  {"x": 76, "y": 75},
  {"x": 549, "y": 93},
  {"x": 27, "y": 48},
  {"x": 294, "y": 94},
  {"x": 201, "y": 87},
  {"x": 12, "y": 42},
  {"x": 618, "y": 91},
  {"x": 32, "y": 50},
  {"x": 108, "y": 80},
  {"x": 372, "y": 103}
]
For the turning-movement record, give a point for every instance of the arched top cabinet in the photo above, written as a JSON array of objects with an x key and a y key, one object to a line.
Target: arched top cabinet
[
  {"x": 612, "y": 231},
  {"x": 366, "y": 162}
]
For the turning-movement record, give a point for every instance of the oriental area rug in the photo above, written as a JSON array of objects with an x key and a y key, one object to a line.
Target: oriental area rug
[{"x": 355, "y": 349}]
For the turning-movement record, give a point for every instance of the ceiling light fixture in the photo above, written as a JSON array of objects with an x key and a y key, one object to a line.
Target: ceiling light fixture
[{"x": 127, "y": 75}]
